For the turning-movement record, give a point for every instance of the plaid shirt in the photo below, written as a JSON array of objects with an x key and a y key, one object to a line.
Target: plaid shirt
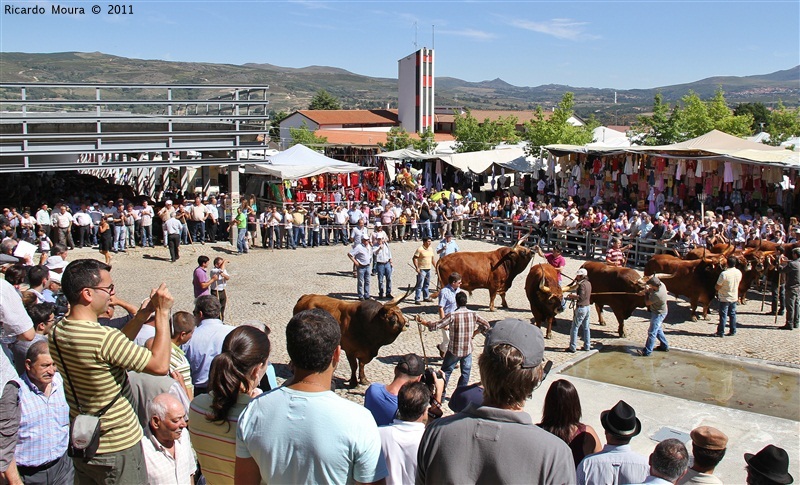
[
  {"x": 462, "y": 325},
  {"x": 44, "y": 424}
]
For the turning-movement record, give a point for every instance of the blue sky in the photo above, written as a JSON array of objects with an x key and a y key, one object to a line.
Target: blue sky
[{"x": 634, "y": 44}]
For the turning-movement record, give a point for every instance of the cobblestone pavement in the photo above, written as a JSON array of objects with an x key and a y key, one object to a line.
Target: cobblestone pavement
[{"x": 266, "y": 284}]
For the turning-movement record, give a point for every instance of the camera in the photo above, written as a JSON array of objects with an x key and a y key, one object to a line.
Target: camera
[
  {"x": 61, "y": 306},
  {"x": 427, "y": 377}
]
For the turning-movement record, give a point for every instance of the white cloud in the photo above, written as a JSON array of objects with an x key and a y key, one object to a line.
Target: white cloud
[
  {"x": 470, "y": 33},
  {"x": 560, "y": 28}
]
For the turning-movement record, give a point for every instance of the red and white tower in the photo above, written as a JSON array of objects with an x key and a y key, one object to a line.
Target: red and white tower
[{"x": 415, "y": 91}]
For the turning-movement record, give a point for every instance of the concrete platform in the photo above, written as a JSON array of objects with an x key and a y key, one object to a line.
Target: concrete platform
[{"x": 747, "y": 432}]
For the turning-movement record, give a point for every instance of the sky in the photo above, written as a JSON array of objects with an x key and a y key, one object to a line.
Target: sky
[{"x": 621, "y": 45}]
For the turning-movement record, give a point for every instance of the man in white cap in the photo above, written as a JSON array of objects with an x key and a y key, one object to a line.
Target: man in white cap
[
  {"x": 580, "y": 318},
  {"x": 164, "y": 214},
  {"x": 791, "y": 275},
  {"x": 503, "y": 444},
  {"x": 656, "y": 300}
]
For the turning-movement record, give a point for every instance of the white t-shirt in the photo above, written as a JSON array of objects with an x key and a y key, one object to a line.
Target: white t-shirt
[
  {"x": 310, "y": 437},
  {"x": 13, "y": 317},
  {"x": 400, "y": 443}
]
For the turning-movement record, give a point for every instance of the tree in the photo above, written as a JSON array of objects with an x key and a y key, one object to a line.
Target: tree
[
  {"x": 426, "y": 142},
  {"x": 725, "y": 120},
  {"x": 658, "y": 129},
  {"x": 540, "y": 132},
  {"x": 305, "y": 136},
  {"x": 396, "y": 139},
  {"x": 275, "y": 124},
  {"x": 693, "y": 118},
  {"x": 472, "y": 135},
  {"x": 759, "y": 113},
  {"x": 324, "y": 100},
  {"x": 783, "y": 124}
]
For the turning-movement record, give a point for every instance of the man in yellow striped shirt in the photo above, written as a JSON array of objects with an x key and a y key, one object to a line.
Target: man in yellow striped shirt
[{"x": 94, "y": 359}]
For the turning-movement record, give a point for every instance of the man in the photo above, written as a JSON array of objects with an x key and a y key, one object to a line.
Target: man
[
  {"x": 400, "y": 439},
  {"x": 41, "y": 453},
  {"x": 93, "y": 360},
  {"x": 616, "y": 462},
  {"x": 378, "y": 236},
  {"x": 15, "y": 323},
  {"x": 314, "y": 435},
  {"x": 97, "y": 215},
  {"x": 381, "y": 400},
  {"x": 172, "y": 230},
  {"x": 447, "y": 245},
  {"x": 63, "y": 223},
  {"x": 447, "y": 305},
  {"x": 498, "y": 441},
  {"x": 708, "y": 449},
  {"x": 218, "y": 286},
  {"x": 119, "y": 228},
  {"x": 668, "y": 462},
  {"x": 423, "y": 260},
  {"x": 167, "y": 448},
  {"x": 43, "y": 320},
  {"x": 340, "y": 219},
  {"x": 580, "y": 318},
  {"x": 728, "y": 293},
  {"x": 38, "y": 279},
  {"x": 131, "y": 219},
  {"x": 212, "y": 219},
  {"x": 299, "y": 225},
  {"x": 361, "y": 256},
  {"x": 206, "y": 343},
  {"x": 656, "y": 300},
  {"x": 791, "y": 275},
  {"x": 198, "y": 213},
  {"x": 165, "y": 213},
  {"x": 183, "y": 325},
  {"x": 240, "y": 223},
  {"x": 770, "y": 466},
  {"x": 84, "y": 222},
  {"x": 146, "y": 225},
  {"x": 615, "y": 256},
  {"x": 200, "y": 279},
  {"x": 383, "y": 263},
  {"x": 43, "y": 219},
  {"x": 554, "y": 258},
  {"x": 464, "y": 324}
]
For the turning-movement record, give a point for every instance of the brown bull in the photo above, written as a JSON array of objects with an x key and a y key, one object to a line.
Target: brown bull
[
  {"x": 695, "y": 279},
  {"x": 620, "y": 286},
  {"x": 493, "y": 270},
  {"x": 752, "y": 262},
  {"x": 544, "y": 295},
  {"x": 783, "y": 248},
  {"x": 366, "y": 326}
]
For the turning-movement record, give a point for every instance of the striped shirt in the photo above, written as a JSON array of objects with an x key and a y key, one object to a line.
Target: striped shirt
[
  {"x": 462, "y": 324},
  {"x": 215, "y": 443},
  {"x": 615, "y": 257},
  {"x": 179, "y": 362},
  {"x": 97, "y": 358},
  {"x": 44, "y": 423}
]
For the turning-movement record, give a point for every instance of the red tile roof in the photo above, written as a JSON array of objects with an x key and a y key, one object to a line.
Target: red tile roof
[
  {"x": 352, "y": 116},
  {"x": 367, "y": 138}
]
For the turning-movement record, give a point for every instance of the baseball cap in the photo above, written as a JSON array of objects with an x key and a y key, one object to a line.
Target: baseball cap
[
  {"x": 411, "y": 365},
  {"x": 521, "y": 335},
  {"x": 582, "y": 272},
  {"x": 654, "y": 280},
  {"x": 378, "y": 224},
  {"x": 168, "y": 202},
  {"x": 55, "y": 277},
  {"x": 55, "y": 262}
]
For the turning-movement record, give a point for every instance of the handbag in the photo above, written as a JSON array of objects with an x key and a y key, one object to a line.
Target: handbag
[{"x": 84, "y": 430}]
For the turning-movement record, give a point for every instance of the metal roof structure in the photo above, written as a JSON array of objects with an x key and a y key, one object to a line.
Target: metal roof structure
[{"x": 54, "y": 126}]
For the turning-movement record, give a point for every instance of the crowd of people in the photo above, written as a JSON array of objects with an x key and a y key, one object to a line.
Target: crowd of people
[{"x": 182, "y": 396}]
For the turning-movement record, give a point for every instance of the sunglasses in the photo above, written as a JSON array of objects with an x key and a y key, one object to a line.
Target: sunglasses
[
  {"x": 107, "y": 289},
  {"x": 547, "y": 366}
]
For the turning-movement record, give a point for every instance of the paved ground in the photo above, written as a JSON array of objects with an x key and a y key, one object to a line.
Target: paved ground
[{"x": 266, "y": 284}]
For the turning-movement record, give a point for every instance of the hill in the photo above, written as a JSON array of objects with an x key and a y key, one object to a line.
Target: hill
[{"x": 293, "y": 88}]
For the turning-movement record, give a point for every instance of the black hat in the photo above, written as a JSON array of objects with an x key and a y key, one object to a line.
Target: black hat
[
  {"x": 411, "y": 365},
  {"x": 771, "y": 462},
  {"x": 621, "y": 421}
]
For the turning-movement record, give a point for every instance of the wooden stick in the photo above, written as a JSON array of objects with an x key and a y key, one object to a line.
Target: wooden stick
[{"x": 780, "y": 278}]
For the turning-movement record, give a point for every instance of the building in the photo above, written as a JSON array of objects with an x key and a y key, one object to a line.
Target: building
[{"x": 415, "y": 91}]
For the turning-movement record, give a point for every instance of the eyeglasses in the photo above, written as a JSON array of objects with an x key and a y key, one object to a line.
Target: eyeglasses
[
  {"x": 547, "y": 366},
  {"x": 108, "y": 289}
]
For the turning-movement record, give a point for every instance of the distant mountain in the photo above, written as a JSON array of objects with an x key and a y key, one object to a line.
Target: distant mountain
[{"x": 293, "y": 88}]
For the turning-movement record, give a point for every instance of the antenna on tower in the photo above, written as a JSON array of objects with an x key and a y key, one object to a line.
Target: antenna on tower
[
  {"x": 415, "y": 35},
  {"x": 433, "y": 37}
]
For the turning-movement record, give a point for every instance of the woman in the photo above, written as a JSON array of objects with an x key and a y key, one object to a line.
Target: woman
[
  {"x": 232, "y": 383},
  {"x": 106, "y": 239},
  {"x": 561, "y": 417}
]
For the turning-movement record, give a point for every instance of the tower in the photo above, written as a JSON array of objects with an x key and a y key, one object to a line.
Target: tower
[{"x": 415, "y": 91}]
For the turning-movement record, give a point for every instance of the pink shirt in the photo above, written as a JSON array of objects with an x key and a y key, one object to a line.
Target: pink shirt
[{"x": 200, "y": 277}]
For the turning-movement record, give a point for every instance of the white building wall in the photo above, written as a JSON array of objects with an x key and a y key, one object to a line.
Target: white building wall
[{"x": 294, "y": 120}]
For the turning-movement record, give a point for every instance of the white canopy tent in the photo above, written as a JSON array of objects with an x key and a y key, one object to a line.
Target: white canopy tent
[
  {"x": 300, "y": 161},
  {"x": 509, "y": 158}
]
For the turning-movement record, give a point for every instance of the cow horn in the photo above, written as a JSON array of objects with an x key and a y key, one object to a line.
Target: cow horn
[
  {"x": 731, "y": 248},
  {"x": 543, "y": 287},
  {"x": 519, "y": 241},
  {"x": 664, "y": 276},
  {"x": 398, "y": 299}
]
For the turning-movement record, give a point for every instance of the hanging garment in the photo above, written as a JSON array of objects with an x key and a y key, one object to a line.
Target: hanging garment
[{"x": 699, "y": 170}]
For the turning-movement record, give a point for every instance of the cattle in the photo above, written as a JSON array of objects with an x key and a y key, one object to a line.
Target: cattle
[
  {"x": 695, "y": 279},
  {"x": 616, "y": 287},
  {"x": 493, "y": 270},
  {"x": 544, "y": 295},
  {"x": 366, "y": 326},
  {"x": 752, "y": 262},
  {"x": 783, "y": 248}
]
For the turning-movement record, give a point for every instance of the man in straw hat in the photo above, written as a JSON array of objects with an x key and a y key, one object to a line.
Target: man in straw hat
[
  {"x": 498, "y": 442},
  {"x": 656, "y": 299},
  {"x": 768, "y": 467},
  {"x": 616, "y": 462},
  {"x": 708, "y": 449}
]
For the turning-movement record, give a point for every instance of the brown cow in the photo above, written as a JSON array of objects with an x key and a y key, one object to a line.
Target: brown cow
[
  {"x": 621, "y": 287},
  {"x": 544, "y": 295},
  {"x": 493, "y": 270},
  {"x": 366, "y": 327},
  {"x": 695, "y": 279},
  {"x": 752, "y": 262}
]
